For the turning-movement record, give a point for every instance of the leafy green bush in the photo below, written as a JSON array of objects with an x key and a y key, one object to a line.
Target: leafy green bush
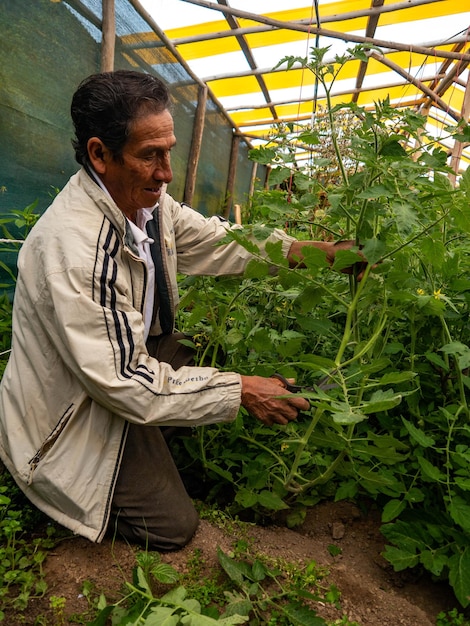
[{"x": 392, "y": 348}]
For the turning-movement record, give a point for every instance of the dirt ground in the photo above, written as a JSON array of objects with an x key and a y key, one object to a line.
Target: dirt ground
[{"x": 371, "y": 593}]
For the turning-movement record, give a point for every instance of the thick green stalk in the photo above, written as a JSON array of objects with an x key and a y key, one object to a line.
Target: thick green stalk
[
  {"x": 327, "y": 474},
  {"x": 302, "y": 443},
  {"x": 458, "y": 371},
  {"x": 350, "y": 318}
]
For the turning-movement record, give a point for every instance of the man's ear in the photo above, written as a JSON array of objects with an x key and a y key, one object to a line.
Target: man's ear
[{"x": 98, "y": 154}]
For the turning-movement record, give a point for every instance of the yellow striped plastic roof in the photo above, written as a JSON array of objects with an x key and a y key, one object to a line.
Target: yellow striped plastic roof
[{"x": 412, "y": 36}]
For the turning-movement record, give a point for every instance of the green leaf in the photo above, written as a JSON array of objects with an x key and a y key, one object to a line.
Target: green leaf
[
  {"x": 232, "y": 619},
  {"x": 165, "y": 573},
  {"x": 176, "y": 595},
  {"x": 434, "y": 358},
  {"x": 309, "y": 137},
  {"x": 256, "y": 269},
  {"x": 238, "y": 606},
  {"x": 259, "y": 571},
  {"x": 434, "y": 561},
  {"x": 393, "y": 378},
  {"x": 192, "y": 605},
  {"x": 141, "y": 580},
  {"x": 463, "y": 483},
  {"x": 345, "y": 259},
  {"x": 262, "y": 155},
  {"x": 315, "y": 361},
  {"x": 460, "y": 513},
  {"x": 417, "y": 435},
  {"x": 275, "y": 254},
  {"x": 393, "y": 148},
  {"x": 430, "y": 470},
  {"x": 300, "y": 615},
  {"x": 313, "y": 258},
  {"x": 373, "y": 250},
  {"x": 381, "y": 401},
  {"x": 161, "y": 616},
  {"x": 414, "y": 495},
  {"x": 459, "y": 350},
  {"x": 234, "y": 336},
  {"x": 348, "y": 416},
  {"x": 375, "y": 191},
  {"x": 278, "y": 175},
  {"x": 102, "y": 617},
  {"x": 347, "y": 490},
  {"x": 376, "y": 481},
  {"x": 392, "y": 509},
  {"x": 246, "y": 498},
  {"x": 309, "y": 298},
  {"x": 233, "y": 569},
  {"x": 271, "y": 501},
  {"x": 459, "y": 576},
  {"x": 400, "y": 558}
]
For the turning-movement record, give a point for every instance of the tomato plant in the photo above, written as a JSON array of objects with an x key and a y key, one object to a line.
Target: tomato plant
[{"x": 392, "y": 348}]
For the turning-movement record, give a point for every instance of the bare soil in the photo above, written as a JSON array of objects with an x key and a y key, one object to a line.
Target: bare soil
[{"x": 371, "y": 593}]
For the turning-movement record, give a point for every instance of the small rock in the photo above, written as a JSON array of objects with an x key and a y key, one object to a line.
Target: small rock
[{"x": 337, "y": 530}]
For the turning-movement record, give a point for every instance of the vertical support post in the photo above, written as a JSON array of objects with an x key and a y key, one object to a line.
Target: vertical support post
[
  {"x": 458, "y": 145},
  {"x": 108, "y": 33},
  {"x": 254, "y": 171},
  {"x": 196, "y": 142},
  {"x": 232, "y": 171}
]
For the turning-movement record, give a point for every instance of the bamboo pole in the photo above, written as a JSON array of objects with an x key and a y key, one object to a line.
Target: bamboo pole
[
  {"x": 417, "y": 83},
  {"x": 346, "y": 92},
  {"x": 254, "y": 172},
  {"x": 458, "y": 145},
  {"x": 232, "y": 171},
  {"x": 108, "y": 32},
  {"x": 196, "y": 142}
]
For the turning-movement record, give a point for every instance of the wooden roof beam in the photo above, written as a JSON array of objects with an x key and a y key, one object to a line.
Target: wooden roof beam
[
  {"x": 338, "y": 17},
  {"x": 315, "y": 30},
  {"x": 232, "y": 22},
  {"x": 417, "y": 83},
  {"x": 370, "y": 32},
  {"x": 269, "y": 70},
  {"x": 346, "y": 92}
]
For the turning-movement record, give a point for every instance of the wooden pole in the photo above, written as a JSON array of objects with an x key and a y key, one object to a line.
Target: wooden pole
[
  {"x": 196, "y": 142},
  {"x": 458, "y": 145},
  {"x": 417, "y": 83},
  {"x": 254, "y": 172},
  {"x": 232, "y": 171},
  {"x": 108, "y": 32}
]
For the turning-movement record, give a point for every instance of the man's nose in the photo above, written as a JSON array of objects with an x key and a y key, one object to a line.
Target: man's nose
[{"x": 163, "y": 171}]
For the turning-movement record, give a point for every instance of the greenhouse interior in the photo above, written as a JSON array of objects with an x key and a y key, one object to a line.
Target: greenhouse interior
[
  {"x": 329, "y": 142},
  {"x": 418, "y": 59}
]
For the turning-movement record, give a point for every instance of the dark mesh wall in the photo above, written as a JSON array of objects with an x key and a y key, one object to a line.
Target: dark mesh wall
[
  {"x": 47, "y": 48},
  {"x": 44, "y": 53}
]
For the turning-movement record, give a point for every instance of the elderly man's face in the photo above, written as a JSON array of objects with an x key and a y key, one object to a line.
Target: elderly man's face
[{"x": 136, "y": 182}]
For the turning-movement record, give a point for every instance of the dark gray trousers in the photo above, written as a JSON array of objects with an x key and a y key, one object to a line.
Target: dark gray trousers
[{"x": 150, "y": 504}]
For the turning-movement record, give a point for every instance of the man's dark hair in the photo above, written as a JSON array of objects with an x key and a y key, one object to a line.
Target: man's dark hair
[{"x": 105, "y": 105}]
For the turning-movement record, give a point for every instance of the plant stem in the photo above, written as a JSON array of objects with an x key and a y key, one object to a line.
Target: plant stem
[{"x": 302, "y": 443}]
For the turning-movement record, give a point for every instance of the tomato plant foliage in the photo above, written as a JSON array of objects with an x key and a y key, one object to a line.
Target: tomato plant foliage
[{"x": 387, "y": 356}]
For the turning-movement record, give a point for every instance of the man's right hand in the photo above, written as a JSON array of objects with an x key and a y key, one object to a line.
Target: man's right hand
[{"x": 260, "y": 397}]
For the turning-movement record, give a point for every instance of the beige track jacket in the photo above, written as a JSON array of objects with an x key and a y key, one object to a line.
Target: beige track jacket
[{"x": 79, "y": 371}]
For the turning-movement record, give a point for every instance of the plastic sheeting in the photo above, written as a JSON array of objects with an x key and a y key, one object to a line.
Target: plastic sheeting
[{"x": 47, "y": 48}]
